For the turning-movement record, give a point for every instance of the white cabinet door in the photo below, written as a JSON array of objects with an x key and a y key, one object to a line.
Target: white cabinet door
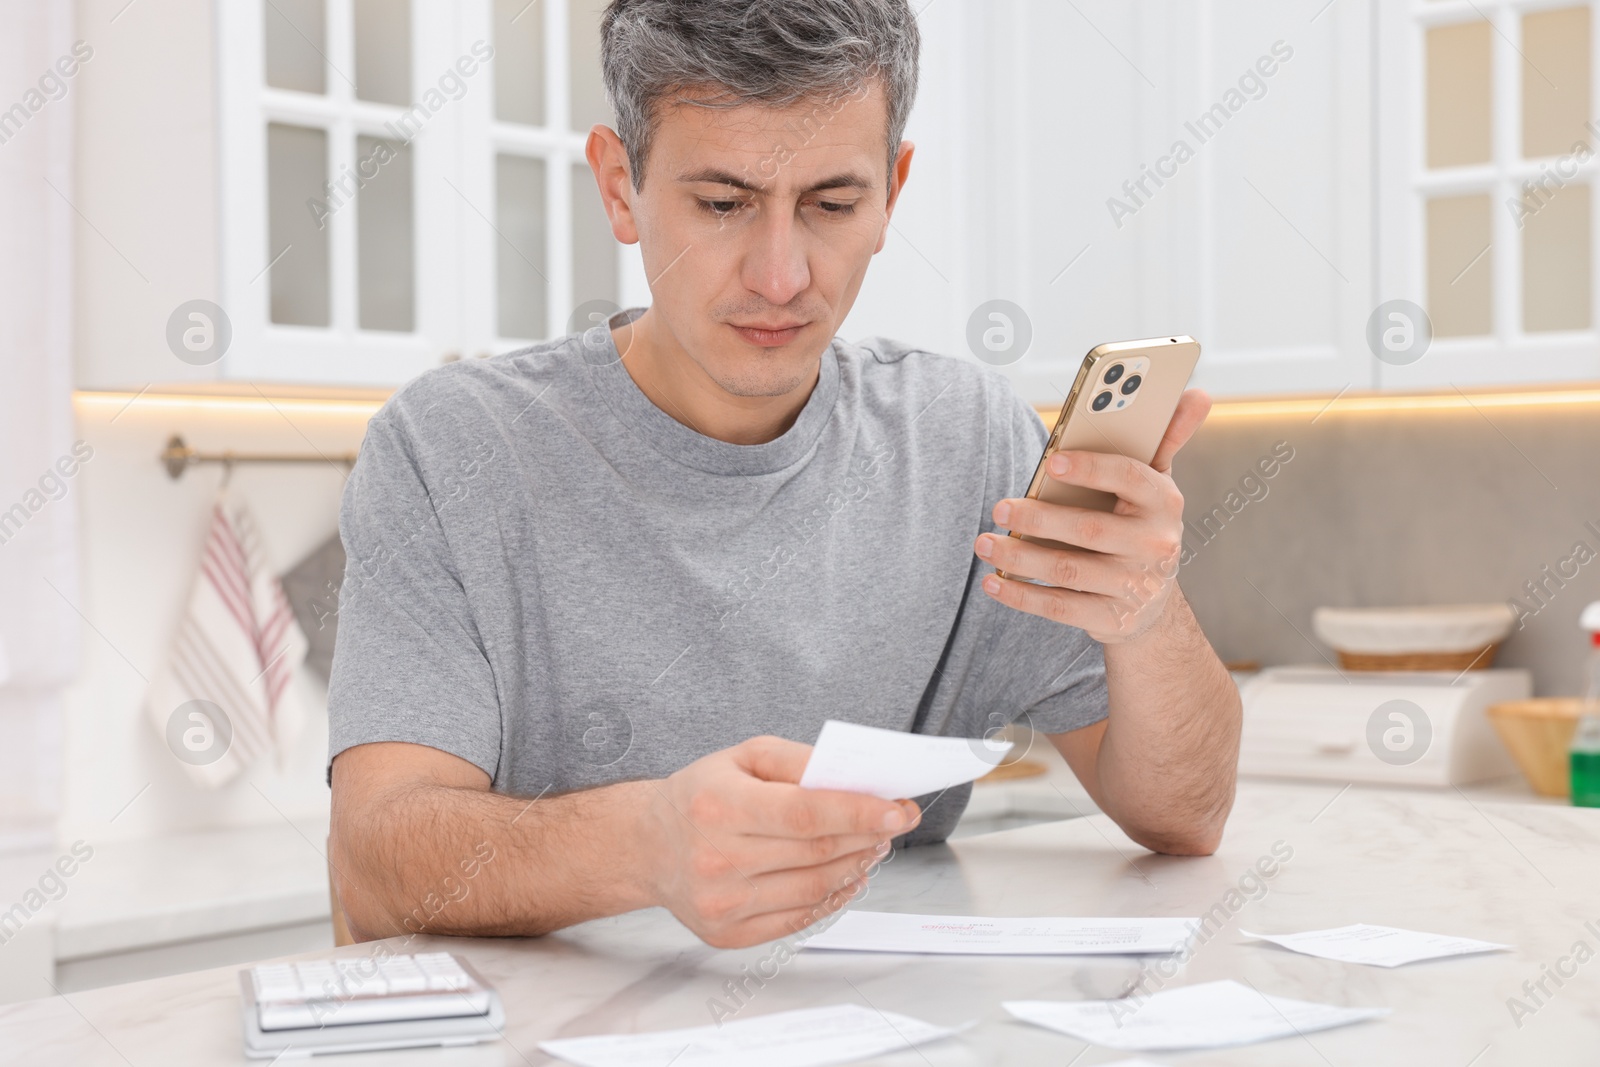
[
  {"x": 1128, "y": 170},
  {"x": 1488, "y": 181},
  {"x": 535, "y": 241},
  {"x": 337, "y": 143},
  {"x": 1267, "y": 247},
  {"x": 404, "y": 183}
]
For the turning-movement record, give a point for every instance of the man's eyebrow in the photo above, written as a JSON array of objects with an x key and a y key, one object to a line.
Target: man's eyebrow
[{"x": 713, "y": 176}]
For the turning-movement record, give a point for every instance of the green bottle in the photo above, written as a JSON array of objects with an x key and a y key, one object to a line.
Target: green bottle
[{"x": 1585, "y": 754}]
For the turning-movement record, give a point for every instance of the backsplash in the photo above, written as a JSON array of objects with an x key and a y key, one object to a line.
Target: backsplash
[
  {"x": 1284, "y": 513},
  {"x": 142, "y": 535},
  {"x": 1361, "y": 508}
]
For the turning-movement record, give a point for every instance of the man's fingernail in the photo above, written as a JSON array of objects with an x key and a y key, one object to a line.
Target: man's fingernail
[
  {"x": 985, "y": 546},
  {"x": 1002, "y": 513},
  {"x": 991, "y": 585},
  {"x": 894, "y": 819},
  {"x": 1059, "y": 464}
]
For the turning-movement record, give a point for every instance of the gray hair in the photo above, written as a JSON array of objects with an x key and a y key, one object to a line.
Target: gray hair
[{"x": 770, "y": 52}]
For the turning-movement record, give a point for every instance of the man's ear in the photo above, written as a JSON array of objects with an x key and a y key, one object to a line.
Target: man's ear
[
  {"x": 897, "y": 181},
  {"x": 608, "y": 159}
]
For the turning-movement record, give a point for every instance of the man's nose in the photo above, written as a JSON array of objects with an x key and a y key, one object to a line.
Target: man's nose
[{"x": 775, "y": 267}]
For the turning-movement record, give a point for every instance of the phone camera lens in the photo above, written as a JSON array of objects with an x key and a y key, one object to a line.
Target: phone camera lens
[
  {"x": 1131, "y": 384},
  {"x": 1102, "y": 401},
  {"x": 1113, "y": 374}
]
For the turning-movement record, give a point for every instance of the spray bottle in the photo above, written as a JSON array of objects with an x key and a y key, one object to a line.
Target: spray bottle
[{"x": 1585, "y": 753}]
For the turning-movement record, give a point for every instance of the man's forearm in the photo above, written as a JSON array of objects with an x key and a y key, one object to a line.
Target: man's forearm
[
  {"x": 1170, "y": 754},
  {"x": 428, "y": 858}
]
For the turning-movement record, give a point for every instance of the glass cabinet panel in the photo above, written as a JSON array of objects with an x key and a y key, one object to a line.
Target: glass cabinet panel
[
  {"x": 588, "y": 91},
  {"x": 1557, "y": 250},
  {"x": 594, "y": 250},
  {"x": 521, "y": 289},
  {"x": 1555, "y": 81},
  {"x": 297, "y": 167},
  {"x": 382, "y": 34},
  {"x": 1460, "y": 265},
  {"x": 295, "y": 34},
  {"x": 385, "y": 265},
  {"x": 519, "y": 61},
  {"x": 1459, "y": 94}
]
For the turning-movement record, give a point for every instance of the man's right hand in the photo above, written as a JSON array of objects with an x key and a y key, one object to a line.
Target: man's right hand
[{"x": 742, "y": 855}]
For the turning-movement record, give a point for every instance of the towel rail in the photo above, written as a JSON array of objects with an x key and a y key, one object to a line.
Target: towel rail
[{"x": 178, "y": 457}]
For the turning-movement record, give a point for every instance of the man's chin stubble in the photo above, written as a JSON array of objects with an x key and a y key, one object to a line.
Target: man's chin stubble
[{"x": 758, "y": 384}]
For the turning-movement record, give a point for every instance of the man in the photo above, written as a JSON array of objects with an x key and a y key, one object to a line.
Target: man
[{"x": 601, "y": 592}]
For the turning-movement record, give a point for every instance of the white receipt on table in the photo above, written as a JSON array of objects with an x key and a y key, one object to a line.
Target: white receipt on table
[
  {"x": 1377, "y": 946},
  {"x": 1209, "y": 1015},
  {"x": 894, "y": 765},
  {"x": 883, "y": 931},
  {"x": 808, "y": 1037}
]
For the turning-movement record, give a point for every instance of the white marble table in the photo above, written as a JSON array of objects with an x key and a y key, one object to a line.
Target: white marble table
[{"x": 1517, "y": 873}]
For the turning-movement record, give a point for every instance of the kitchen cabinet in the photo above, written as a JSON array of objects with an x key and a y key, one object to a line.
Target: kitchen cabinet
[
  {"x": 1486, "y": 188},
  {"x": 1265, "y": 176},
  {"x": 1257, "y": 174},
  {"x": 353, "y": 190}
]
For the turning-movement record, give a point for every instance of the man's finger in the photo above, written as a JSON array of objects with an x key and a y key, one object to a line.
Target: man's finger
[
  {"x": 760, "y": 929},
  {"x": 1127, "y": 478},
  {"x": 1193, "y": 407},
  {"x": 773, "y": 759},
  {"x": 757, "y": 855},
  {"x": 1088, "y": 572},
  {"x": 1099, "y": 531},
  {"x": 1090, "y": 612},
  {"x": 779, "y": 810},
  {"x": 813, "y": 886}
]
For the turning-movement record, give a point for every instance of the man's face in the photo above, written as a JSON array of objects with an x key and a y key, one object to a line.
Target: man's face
[{"x": 756, "y": 227}]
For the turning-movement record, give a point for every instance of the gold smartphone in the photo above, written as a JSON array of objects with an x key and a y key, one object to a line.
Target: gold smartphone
[{"x": 1121, "y": 404}]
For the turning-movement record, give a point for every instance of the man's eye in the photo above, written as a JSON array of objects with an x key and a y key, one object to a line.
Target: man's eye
[
  {"x": 834, "y": 207},
  {"x": 720, "y": 208}
]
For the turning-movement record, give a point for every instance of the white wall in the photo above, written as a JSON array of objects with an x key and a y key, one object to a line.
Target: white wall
[
  {"x": 36, "y": 543},
  {"x": 146, "y": 185},
  {"x": 142, "y": 534}
]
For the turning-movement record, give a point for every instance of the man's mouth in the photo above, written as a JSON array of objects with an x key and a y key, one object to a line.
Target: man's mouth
[{"x": 769, "y": 335}]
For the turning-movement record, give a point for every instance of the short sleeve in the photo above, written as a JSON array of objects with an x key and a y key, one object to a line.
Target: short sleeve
[
  {"x": 1049, "y": 675},
  {"x": 409, "y": 664}
]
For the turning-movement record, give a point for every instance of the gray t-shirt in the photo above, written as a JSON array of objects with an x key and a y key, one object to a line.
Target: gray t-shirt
[{"x": 555, "y": 580}]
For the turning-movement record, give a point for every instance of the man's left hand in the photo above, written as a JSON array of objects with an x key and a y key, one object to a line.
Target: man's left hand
[{"x": 1114, "y": 582}]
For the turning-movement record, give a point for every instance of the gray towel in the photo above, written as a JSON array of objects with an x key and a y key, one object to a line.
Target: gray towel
[{"x": 312, "y": 587}]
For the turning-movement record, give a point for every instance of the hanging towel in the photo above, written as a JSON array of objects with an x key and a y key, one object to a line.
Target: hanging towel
[
  {"x": 224, "y": 697},
  {"x": 312, "y": 587}
]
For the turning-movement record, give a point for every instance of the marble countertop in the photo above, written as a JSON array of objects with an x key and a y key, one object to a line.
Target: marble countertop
[
  {"x": 1447, "y": 862},
  {"x": 158, "y": 891}
]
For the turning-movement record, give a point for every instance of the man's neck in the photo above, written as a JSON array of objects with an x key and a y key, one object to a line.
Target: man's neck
[{"x": 679, "y": 386}]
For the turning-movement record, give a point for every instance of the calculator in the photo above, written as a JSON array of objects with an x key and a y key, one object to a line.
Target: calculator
[{"x": 363, "y": 1003}]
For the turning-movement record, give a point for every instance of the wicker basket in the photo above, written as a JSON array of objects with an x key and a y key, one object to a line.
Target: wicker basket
[{"x": 1419, "y": 661}]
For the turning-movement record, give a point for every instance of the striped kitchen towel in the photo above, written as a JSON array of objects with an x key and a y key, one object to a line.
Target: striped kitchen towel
[{"x": 224, "y": 697}]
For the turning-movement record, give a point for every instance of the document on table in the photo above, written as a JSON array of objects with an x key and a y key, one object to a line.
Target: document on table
[
  {"x": 882, "y": 931},
  {"x": 1209, "y": 1015},
  {"x": 1377, "y": 946},
  {"x": 808, "y": 1037},
  {"x": 894, "y": 765}
]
